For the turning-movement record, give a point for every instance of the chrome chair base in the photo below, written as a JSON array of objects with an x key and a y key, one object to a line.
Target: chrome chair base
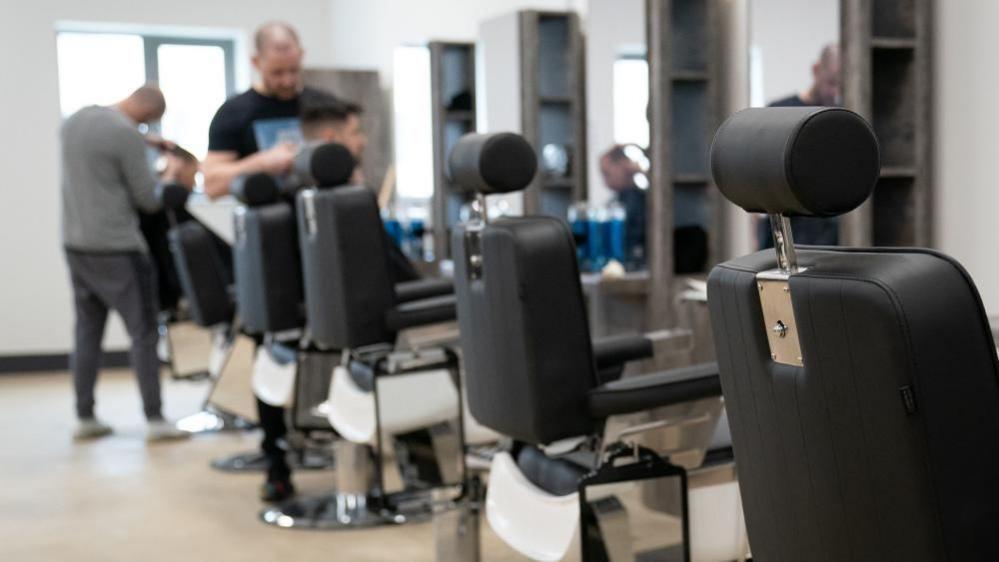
[
  {"x": 312, "y": 458},
  {"x": 341, "y": 512},
  {"x": 209, "y": 421}
]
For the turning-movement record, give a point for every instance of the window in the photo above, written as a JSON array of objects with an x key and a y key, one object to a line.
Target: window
[
  {"x": 195, "y": 74},
  {"x": 411, "y": 102},
  {"x": 631, "y": 101}
]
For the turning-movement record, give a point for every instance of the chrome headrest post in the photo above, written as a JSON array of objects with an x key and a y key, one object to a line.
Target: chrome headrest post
[
  {"x": 479, "y": 207},
  {"x": 787, "y": 257}
]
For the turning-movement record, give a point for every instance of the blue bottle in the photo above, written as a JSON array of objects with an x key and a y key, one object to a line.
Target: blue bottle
[
  {"x": 596, "y": 239},
  {"x": 578, "y": 226},
  {"x": 415, "y": 239},
  {"x": 617, "y": 248},
  {"x": 392, "y": 226}
]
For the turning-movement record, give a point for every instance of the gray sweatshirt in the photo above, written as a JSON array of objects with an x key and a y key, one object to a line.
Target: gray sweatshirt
[{"x": 106, "y": 180}]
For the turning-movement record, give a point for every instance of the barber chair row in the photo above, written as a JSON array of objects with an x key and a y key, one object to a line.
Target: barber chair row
[
  {"x": 855, "y": 399},
  {"x": 316, "y": 281}
]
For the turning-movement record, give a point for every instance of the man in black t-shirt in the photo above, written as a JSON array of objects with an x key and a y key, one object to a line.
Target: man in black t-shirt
[
  {"x": 259, "y": 131},
  {"x": 824, "y": 91}
]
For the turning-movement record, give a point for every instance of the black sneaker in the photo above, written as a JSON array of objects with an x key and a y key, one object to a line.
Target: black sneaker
[{"x": 276, "y": 491}]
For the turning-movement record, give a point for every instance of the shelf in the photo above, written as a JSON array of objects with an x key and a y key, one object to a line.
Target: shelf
[
  {"x": 689, "y": 32},
  {"x": 893, "y": 18},
  {"x": 689, "y": 76},
  {"x": 690, "y": 178},
  {"x": 894, "y": 211},
  {"x": 555, "y": 99},
  {"x": 459, "y": 114},
  {"x": 898, "y": 172},
  {"x": 894, "y": 105},
  {"x": 892, "y": 43},
  {"x": 558, "y": 184}
]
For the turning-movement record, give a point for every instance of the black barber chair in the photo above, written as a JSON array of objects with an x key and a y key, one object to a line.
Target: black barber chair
[
  {"x": 287, "y": 373},
  {"x": 861, "y": 384},
  {"x": 201, "y": 263},
  {"x": 393, "y": 382},
  {"x": 534, "y": 374}
]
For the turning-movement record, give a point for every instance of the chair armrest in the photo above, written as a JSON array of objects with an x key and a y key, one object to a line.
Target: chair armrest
[
  {"x": 421, "y": 313},
  {"x": 409, "y": 291},
  {"x": 615, "y": 351},
  {"x": 644, "y": 392}
]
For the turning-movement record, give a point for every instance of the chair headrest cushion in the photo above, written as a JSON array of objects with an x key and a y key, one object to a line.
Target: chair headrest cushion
[
  {"x": 492, "y": 163},
  {"x": 796, "y": 161}
]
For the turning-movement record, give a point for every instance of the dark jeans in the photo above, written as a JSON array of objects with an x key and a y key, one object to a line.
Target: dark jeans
[
  {"x": 273, "y": 425},
  {"x": 126, "y": 283}
]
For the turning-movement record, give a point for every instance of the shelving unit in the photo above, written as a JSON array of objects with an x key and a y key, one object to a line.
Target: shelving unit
[
  {"x": 887, "y": 78},
  {"x": 685, "y": 214},
  {"x": 452, "y": 85},
  {"x": 552, "y": 104}
]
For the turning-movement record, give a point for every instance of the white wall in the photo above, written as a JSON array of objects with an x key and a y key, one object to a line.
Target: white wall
[
  {"x": 35, "y": 303},
  {"x": 364, "y": 34},
  {"x": 966, "y": 113},
  {"x": 788, "y": 36}
]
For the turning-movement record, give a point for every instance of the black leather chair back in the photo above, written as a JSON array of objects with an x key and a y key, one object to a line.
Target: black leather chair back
[
  {"x": 204, "y": 271},
  {"x": 348, "y": 279},
  {"x": 884, "y": 443},
  {"x": 524, "y": 334},
  {"x": 267, "y": 266}
]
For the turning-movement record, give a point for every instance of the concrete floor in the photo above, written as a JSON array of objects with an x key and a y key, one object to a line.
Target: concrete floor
[{"x": 119, "y": 499}]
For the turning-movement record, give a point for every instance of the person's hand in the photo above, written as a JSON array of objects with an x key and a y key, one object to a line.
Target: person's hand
[
  {"x": 159, "y": 143},
  {"x": 180, "y": 170},
  {"x": 278, "y": 160}
]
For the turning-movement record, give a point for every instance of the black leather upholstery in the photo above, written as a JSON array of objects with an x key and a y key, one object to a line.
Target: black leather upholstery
[
  {"x": 204, "y": 269},
  {"x": 808, "y": 161},
  {"x": 492, "y": 163},
  {"x": 615, "y": 351},
  {"x": 331, "y": 165},
  {"x": 254, "y": 190},
  {"x": 348, "y": 282},
  {"x": 558, "y": 476},
  {"x": 173, "y": 196},
  {"x": 524, "y": 331},
  {"x": 421, "y": 312},
  {"x": 268, "y": 271},
  {"x": 423, "y": 289},
  {"x": 885, "y": 445},
  {"x": 644, "y": 392}
]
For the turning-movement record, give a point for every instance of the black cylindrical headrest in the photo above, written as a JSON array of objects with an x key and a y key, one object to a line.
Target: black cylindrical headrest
[
  {"x": 255, "y": 189},
  {"x": 173, "y": 196},
  {"x": 493, "y": 163},
  {"x": 332, "y": 165},
  {"x": 796, "y": 161}
]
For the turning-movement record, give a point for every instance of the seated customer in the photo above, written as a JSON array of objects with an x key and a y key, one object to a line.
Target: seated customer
[{"x": 327, "y": 119}]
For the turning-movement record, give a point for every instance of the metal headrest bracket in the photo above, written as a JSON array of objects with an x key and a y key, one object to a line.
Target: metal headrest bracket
[
  {"x": 473, "y": 233},
  {"x": 787, "y": 257},
  {"x": 775, "y": 296}
]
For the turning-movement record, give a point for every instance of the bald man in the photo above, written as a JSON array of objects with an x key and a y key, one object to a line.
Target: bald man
[
  {"x": 258, "y": 130},
  {"x": 106, "y": 181},
  {"x": 824, "y": 91}
]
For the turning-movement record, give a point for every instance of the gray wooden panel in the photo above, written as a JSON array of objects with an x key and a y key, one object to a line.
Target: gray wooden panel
[
  {"x": 887, "y": 77},
  {"x": 685, "y": 111}
]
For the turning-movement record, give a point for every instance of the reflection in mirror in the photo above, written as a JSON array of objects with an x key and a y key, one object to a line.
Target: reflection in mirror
[
  {"x": 409, "y": 213},
  {"x": 610, "y": 226},
  {"x": 795, "y": 61}
]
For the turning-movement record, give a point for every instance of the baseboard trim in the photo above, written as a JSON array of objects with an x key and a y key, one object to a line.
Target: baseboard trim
[{"x": 11, "y": 364}]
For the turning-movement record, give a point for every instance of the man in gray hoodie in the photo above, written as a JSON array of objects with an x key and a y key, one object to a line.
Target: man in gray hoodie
[{"x": 106, "y": 181}]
